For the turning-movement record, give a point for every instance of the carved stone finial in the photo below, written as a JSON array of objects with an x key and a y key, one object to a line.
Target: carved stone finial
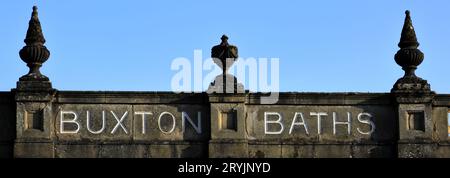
[
  {"x": 224, "y": 55},
  {"x": 224, "y": 39},
  {"x": 34, "y": 53},
  {"x": 34, "y": 33},
  {"x": 408, "y": 38},
  {"x": 409, "y": 57},
  {"x": 220, "y": 53}
]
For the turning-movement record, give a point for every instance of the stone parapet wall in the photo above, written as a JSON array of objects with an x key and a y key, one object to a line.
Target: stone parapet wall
[{"x": 141, "y": 124}]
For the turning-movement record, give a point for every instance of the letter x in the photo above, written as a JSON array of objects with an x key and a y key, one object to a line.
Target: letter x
[{"x": 119, "y": 122}]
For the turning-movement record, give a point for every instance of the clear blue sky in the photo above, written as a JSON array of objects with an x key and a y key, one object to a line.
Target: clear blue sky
[{"x": 323, "y": 46}]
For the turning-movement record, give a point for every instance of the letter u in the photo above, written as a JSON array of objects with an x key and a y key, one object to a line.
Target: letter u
[{"x": 88, "y": 123}]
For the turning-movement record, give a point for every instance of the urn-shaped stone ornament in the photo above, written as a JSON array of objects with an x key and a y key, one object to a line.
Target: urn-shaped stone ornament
[
  {"x": 224, "y": 54},
  {"x": 34, "y": 53},
  {"x": 409, "y": 57}
]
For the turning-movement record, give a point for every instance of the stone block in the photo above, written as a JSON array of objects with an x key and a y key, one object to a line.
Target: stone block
[
  {"x": 165, "y": 122},
  {"x": 34, "y": 150},
  {"x": 103, "y": 122},
  {"x": 264, "y": 151},
  {"x": 415, "y": 150},
  {"x": 228, "y": 150},
  {"x": 307, "y": 126},
  {"x": 122, "y": 151},
  {"x": 177, "y": 151},
  {"x": 77, "y": 151},
  {"x": 297, "y": 151},
  {"x": 34, "y": 120},
  {"x": 228, "y": 111},
  {"x": 440, "y": 124},
  {"x": 442, "y": 151},
  {"x": 333, "y": 151},
  {"x": 373, "y": 151},
  {"x": 415, "y": 122}
]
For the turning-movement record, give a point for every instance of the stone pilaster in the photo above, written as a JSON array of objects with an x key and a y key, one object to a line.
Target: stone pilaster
[
  {"x": 227, "y": 97},
  {"x": 228, "y": 128},
  {"x": 33, "y": 96},
  {"x": 415, "y": 125},
  {"x": 413, "y": 98}
]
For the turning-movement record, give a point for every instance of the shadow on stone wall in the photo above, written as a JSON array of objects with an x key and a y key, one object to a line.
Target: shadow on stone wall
[
  {"x": 385, "y": 135},
  {"x": 197, "y": 145}
]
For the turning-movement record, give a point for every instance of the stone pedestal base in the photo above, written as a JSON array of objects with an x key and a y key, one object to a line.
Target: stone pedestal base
[
  {"x": 34, "y": 85},
  {"x": 411, "y": 84},
  {"x": 418, "y": 150},
  {"x": 226, "y": 84}
]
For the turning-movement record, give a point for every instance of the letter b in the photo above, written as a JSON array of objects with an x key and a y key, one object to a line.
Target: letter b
[
  {"x": 74, "y": 121},
  {"x": 278, "y": 121}
]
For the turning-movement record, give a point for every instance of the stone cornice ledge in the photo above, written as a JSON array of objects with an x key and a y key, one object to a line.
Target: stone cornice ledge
[
  {"x": 130, "y": 97},
  {"x": 310, "y": 98}
]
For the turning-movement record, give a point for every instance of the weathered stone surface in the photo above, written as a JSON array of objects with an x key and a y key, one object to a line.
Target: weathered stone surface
[
  {"x": 122, "y": 151},
  {"x": 373, "y": 151},
  {"x": 318, "y": 98},
  {"x": 226, "y": 84},
  {"x": 333, "y": 151},
  {"x": 34, "y": 53},
  {"x": 442, "y": 151},
  {"x": 406, "y": 132},
  {"x": 224, "y": 55},
  {"x": 77, "y": 151},
  {"x": 194, "y": 150},
  {"x": 153, "y": 131},
  {"x": 101, "y": 151},
  {"x": 228, "y": 149},
  {"x": 414, "y": 150},
  {"x": 297, "y": 151},
  {"x": 154, "y": 150},
  {"x": 218, "y": 112},
  {"x": 440, "y": 123},
  {"x": 111, "y": 132},
  {"x": 34, "y": 120},
  {"x": 129, "y": 97},
  {"x": 243, "y": 138},
  {"x": 265, "y": 151},
  {"x": 424, "y": 150},
  {"x": 382, "y": 117},
  {"x": 34, "y": 150},
  {"x": 409, "y": 57}
]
